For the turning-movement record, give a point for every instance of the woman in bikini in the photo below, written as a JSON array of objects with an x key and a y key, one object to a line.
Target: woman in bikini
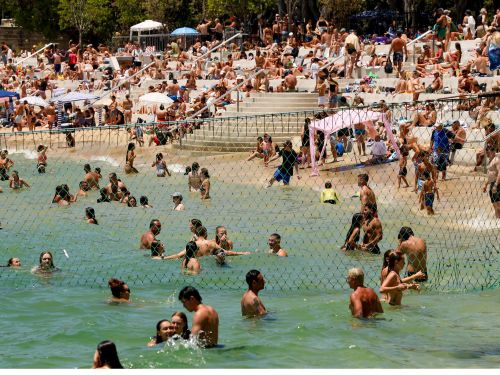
[
  {"x": 129, "y": 159},
  {"x": 194, "y": 179},
  {"x": 258, "y": 153},
  {"x": 392, "y": 287},
  {"x": 190, "y": 264},
  {"x": 205, "y": 184}
]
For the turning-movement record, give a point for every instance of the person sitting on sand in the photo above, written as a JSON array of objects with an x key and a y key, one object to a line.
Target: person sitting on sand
[{"x": 363, "y": 302}]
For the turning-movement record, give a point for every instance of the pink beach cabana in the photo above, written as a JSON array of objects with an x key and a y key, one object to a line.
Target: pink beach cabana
[{"x": 347, "y": 119}]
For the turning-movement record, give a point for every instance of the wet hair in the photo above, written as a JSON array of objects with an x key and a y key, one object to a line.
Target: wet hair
[
  {"x": 364, "y": 177},
  {"x": 187, "y": 292},
  {"x": 191, "y": 248},
  {"x": 251, "y": 276},
  {"x": 87, "y": 168},
  {"x": 385, "y": 261},
  {"x": 357, "y": 220},
  {"x": 158, "y": 338},
  {"x": 108, "y": 355},
  {"x": 201, "y": 231},
  {"x": 394, "y": 256},
  {"x": 185, "y": 332},
  {"x": 188, "y": 169},
  {"x": 195, "y": 166},
  {"x": 217, "y": 239},
  {"x": 90, "y": 213},
  {"x": 51, "y": 258},
  {"x": 405, "y": 233},
  {"x": 143, "y": 200},
  {"x": 159, "y": 156},
  {"x": 155, "y": 248},
  {"x": 152, "y": 223},
  {"x": 196, "y": 223},
  {"x": 276, "y": 236},
  {"x": 113, "y": 175},
  {"x": 103, "y": 192},
  {"x": 129, "y": 204},
  {"x": 116, "y": 287},
  {"x": 328, "y": 185},
  {"x": 357, "y": 274},
  {"x": 371, "y": 207},
  {"x": 204, "y": 172},
  {"x": 10, "y": 262}
]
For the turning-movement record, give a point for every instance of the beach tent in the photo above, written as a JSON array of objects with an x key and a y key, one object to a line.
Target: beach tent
[
  {"x": 347, "y": 119},
  {"x": 144, "y": 26}
]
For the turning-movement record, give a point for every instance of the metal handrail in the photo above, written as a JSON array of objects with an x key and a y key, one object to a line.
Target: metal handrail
[
  {"x": 420, "y": 37},
  {"x": 34, "y": 53},
  {"x": 216, "y": 47}
]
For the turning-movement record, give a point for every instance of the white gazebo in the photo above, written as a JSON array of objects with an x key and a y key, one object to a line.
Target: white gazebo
[{"x": 144, "y": 26}]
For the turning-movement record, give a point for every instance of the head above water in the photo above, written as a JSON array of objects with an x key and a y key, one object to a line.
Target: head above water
[
  {"x": 189, "y": 292},
  {"x": 357, "y": 275},
  {"x": 107, "y": 355},
  {"x": 405, "y": 233}
]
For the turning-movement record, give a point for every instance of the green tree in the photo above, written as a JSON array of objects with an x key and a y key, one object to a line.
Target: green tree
[
  {"x": 40, "y": 16},
  {"x": 341, "y": 10},
  {"x": 83, "y": 15},
  {"x": 242, "y": 9},
  {"x": 128, "y": 13}
]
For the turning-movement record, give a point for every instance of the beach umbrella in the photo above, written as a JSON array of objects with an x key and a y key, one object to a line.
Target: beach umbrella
[
  {"x": 155, "y": 98},
  {"x": 102, "y": 102},
  {"x": 74, "y": 97},
  {"x": 35, "y": 100},
  {"x": 184, "y": 31}
]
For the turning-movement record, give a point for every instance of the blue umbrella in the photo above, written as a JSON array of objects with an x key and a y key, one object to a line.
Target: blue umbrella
[{"x": 184, "y": 31}]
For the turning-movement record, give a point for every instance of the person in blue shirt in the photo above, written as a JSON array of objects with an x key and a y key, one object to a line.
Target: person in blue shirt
[{"x": 440, "y": 144}]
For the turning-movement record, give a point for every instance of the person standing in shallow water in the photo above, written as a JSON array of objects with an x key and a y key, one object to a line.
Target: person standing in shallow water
[
  {"x": 129, "y": 159},
  {"x": 363, "y": 302},
  {"x": 392, "y": 287},
  {"x": 205, "y": 319},
  {"x": 251, "y": 305}
]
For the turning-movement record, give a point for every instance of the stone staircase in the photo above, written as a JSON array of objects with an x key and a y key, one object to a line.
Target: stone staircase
[{"x": 237, "y": 131}]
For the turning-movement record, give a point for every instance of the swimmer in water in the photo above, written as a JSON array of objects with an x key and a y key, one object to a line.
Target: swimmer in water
[
  {"x": 84, "y": 189},
  {"x": 180, "y": 322},
  {"x": 14, "y": 263},
  {"x": 148, "y": 237},
  {"x": 157, "y": 250},
  {"x": 92, "y": 178},
  {"x": 363, "y": 302},
  {"x": 90, "y": 216},
  {"x": 46, "y": 264},
  {"x": 161, "y": 166},
  {"x": 177, "y": 199},
  {"x": 143, "y": 200},
  {"x": 119, "y": 290},
  {"x": 104, "y": 196},
  {"x": 205, "y": 319},
  {"x": 164, "y": 330},
  {"x": 393, "y": 286},
  {"x": 15, "y": 182},
  {"x": 106, "y": 356},
  {"x": 274, "y": 243},
  {"x": 42, "y": 158},
  {"x": 190, "y": 264},
  {"x": 251, "y": 305}
]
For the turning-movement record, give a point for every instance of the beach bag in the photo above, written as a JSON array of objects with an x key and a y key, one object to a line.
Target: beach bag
[
  {"x": 339, "y": 147},
  {"x": 388, "y": 67}
]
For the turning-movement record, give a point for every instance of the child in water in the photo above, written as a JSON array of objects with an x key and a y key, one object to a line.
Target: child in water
[
  {"x": 429, "y": 190},
  {"x": 329, "y": 195}
]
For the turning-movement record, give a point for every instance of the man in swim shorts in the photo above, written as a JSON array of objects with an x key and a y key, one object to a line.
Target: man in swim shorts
[
  {"x": 415, "y": 249},
  {"x": 366, "y": 194},
  {"x": 363, "y": 302},
  {"x": 205, "y": 319},
  {"x": 251, "y": 305},
  {"x": 285, "y": 170},
  {"x": 398, "y": 46}
]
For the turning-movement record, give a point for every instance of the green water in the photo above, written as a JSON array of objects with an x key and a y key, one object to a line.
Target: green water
[{"x": 57, "y": 322}]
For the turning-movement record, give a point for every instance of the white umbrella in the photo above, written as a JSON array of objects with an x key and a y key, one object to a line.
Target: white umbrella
[
  {"x": 102, "y": 102},
  {"x": 74, "y": 97},
  {"x": 35, "y": 100},
  {"x": 155, "y": 98}
]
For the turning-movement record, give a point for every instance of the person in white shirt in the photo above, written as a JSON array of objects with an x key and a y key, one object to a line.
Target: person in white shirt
[
  {"x": 469, "y": 25},
  {"x": 379, "y": 152}
]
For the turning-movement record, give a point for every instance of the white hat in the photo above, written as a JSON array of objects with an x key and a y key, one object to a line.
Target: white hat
[{"x": 177, "y": 195}]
